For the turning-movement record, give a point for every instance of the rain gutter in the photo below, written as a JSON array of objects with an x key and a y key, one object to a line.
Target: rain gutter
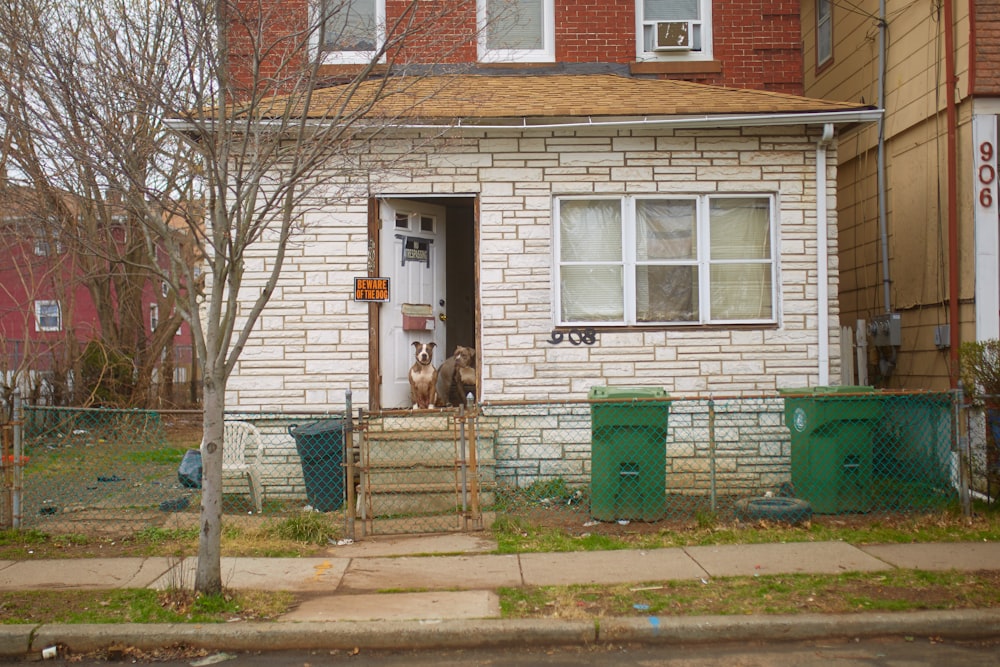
[
  {"x": 822, "y": 257},
  {"x": 705, "y": 120}
]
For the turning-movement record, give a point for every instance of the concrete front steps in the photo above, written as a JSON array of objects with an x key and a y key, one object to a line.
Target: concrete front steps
[{"x": 411, "y": 472}]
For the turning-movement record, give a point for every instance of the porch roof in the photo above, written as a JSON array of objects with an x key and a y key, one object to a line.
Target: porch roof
[{"x": 475, "y": 98}]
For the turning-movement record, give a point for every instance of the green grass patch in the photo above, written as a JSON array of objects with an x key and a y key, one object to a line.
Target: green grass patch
[
  {"x": 162, "y": 455},
  {"x": 306, "y": 527},
  {"x": 518, "y": 535},
  {"x": 141, "y": 606},
  {"x": 895, "y": 590}
]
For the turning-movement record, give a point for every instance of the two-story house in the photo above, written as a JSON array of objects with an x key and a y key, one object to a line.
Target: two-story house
[
  {"x": 917, "y": 192},
  {"x": 626, "y": 192}
]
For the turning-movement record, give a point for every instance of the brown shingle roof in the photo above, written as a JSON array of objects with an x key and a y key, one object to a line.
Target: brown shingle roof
[{"x": 552, "y": 96}]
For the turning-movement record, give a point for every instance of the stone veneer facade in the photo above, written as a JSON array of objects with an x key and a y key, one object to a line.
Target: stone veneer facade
[{"x": 312, "y": 341}]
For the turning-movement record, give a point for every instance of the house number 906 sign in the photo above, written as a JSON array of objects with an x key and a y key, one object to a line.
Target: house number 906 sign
[{"x": 986, "y": 174}]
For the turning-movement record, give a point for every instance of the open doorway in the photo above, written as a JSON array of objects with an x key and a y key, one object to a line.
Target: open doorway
[{"x": 426, "y": 246}]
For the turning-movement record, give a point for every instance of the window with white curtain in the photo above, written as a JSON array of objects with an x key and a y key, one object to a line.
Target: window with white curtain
[
  {"x": 674, "y": 29},
  {"x": 699, "y": 259},
  {"x": 516, "y": 30},
  {"x": 353, "y": 30}
]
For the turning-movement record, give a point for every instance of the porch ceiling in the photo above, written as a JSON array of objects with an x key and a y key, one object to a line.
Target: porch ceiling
[{"x": 480, "y": 97}]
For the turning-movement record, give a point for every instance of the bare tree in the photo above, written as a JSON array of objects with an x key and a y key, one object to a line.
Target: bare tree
[
  {"x": 202, "y": 104},
  {"x": 82, "y": 141}
]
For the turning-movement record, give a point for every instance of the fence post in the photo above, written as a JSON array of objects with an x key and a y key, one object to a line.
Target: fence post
[
  {"x": 349, "y": 466},
  {"x": 711, "y": 451},
  {"x": 18, "y": 486},
  {"x": 964, "y": 455},
  {"x": 462, "y": 464},
  {"x": 473, "y": 419}
]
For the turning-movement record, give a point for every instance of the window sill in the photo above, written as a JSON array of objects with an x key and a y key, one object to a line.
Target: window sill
[
  {"x": 694, "y": 67},
  {"x": 348, "y": 71}
]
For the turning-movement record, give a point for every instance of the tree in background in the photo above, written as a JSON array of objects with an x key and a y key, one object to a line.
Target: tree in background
[{"x": 180, "y": 103}]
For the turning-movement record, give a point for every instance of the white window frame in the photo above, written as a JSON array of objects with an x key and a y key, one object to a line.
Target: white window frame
[
  {"x": 824, "y": 32},
  {"x": 545, "y": 54},
  {"x": 40, "y": 316},
  {"x": 703, "y": 260},
  {"x": 350, "y": 57},
  {"x": 154, "y": 316},
  {"x": 704, "y": 53}
]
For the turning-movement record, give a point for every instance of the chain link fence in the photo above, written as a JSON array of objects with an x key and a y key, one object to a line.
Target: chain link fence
[{"x": 622, "y": 456}]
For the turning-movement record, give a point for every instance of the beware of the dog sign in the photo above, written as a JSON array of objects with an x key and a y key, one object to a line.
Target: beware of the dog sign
[{"x": 371, "y": 289}]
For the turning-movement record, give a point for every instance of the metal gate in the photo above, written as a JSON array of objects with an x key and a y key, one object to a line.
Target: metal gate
[{"x": 420, "y": 472}]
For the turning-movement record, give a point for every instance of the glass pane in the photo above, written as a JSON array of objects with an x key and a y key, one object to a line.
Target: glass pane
[
  {"x": 590, "y": 231},
  {"x": 350, "y": 25},
  {"x": 740, "y": 228},
  {"x": 670, "y": 10},
  {"x": 515, "y": 24},
  {"x": 592, "y": 294},
  {"x": 666, "y": 293},
  {"x": 665, "y": 229},
  {"x": 741, "y": 292}
]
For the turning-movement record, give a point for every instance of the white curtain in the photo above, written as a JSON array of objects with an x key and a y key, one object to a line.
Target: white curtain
[
  {"x": 590, "y": 253},
  {"x": 515, "y": 25},
  {"x": 740, "y": 271},
  {"x": 671, "y": 10}
]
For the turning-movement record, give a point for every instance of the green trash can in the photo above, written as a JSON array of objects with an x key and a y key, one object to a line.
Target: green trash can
[
  {"x": 321, "y": 450},
  {"x": 628, "y": 451},
  {"x": 832, "y": 446}
]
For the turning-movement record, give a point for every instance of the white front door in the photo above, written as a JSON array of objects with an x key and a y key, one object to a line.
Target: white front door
[{"x": 412, "y": 256}]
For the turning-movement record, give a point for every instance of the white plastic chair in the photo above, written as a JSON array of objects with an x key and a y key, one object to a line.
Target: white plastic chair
[{"x": 239, "y": 438}]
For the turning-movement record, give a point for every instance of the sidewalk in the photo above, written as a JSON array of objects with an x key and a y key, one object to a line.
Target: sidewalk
[{"x": 448, "y": 594}]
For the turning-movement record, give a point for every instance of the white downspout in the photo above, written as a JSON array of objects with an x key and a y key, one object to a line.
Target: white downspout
[{"x": 822, "y": 258}]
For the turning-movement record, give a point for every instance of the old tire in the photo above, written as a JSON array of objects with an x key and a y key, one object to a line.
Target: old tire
[{"x": 779, "y": 510}]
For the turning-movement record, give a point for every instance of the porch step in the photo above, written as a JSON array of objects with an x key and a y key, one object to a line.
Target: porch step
[
  {"x": 419, "y": 499},
  {"x": 416, "y": 470}
]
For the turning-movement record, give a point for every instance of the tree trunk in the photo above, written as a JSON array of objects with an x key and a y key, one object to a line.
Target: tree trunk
[{"x": 208, "y": 577}]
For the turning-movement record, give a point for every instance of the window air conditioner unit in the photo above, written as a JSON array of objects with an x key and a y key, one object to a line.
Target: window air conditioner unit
[{"x": 676, "y": 35}]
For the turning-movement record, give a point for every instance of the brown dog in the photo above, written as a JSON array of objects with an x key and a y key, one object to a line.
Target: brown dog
[
  {"x": 423, "y": 377},
  {"x": 457, "y": 377}
]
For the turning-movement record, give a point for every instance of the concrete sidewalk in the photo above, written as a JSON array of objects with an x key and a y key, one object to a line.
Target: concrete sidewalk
[{"x": 428, "y": 583}]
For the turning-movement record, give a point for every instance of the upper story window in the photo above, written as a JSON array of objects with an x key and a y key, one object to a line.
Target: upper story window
[
  {"x": 48, "y": 316},
  {"x": 48, "y": 241},
  {"x": 516, "y": 30},
  {"x": 704, "y": 259},
  {"x": 824, "y": 31},
  {"x": 45, "y": 246},
  {"x": 353, "y": 30},
  {"x": 674, "y": 29},
  {"x": 154, "y": 316}
]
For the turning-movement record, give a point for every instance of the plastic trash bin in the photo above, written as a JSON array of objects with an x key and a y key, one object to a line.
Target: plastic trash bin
[
  {"x": 321, "y": 450},
  {"x": 832, "y": 446},
  {"x": 628, "y": 453}
]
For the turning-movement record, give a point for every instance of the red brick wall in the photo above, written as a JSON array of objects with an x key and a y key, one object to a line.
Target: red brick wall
[
  {"x": 595, "y": 31},
  {"x": 280, "y": 52},
  {"x": 985, "y": 50},
  {"x": 757, "y": 42},
  {"x": 440, "y": 31}
]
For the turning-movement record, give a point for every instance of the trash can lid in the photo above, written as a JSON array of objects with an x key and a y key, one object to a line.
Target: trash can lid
[
  {"x": 626, "y": 392},
  {"x": 318, "y": 427}
]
